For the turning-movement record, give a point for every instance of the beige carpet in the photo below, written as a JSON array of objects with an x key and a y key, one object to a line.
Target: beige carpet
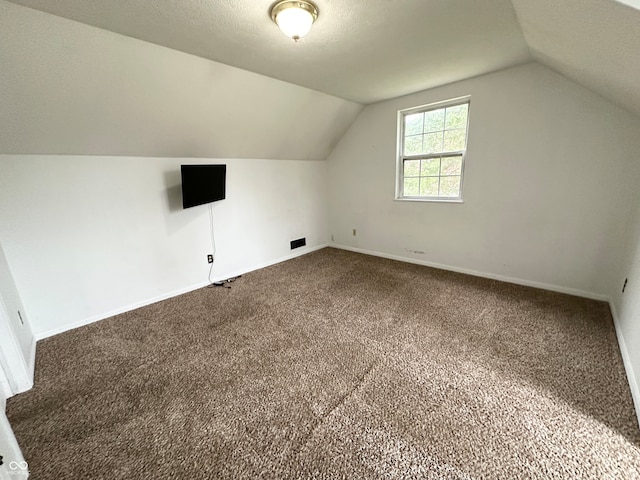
[{"x": 336, "y": 365}]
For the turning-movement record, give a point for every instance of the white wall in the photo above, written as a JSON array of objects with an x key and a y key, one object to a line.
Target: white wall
[
  {"x": 549, "y": 183},
  {"x": 626, "y": 305},
  {"x": 69, "y": 88},
  {"x": 87, "y": 237}
]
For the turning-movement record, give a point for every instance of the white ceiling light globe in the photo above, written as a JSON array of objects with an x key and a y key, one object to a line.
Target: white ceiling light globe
[
  {"x": 294, "y": 17},
  {"x": 294, "y": 22}
]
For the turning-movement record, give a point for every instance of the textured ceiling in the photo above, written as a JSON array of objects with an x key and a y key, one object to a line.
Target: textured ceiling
[
  {"x": 593, "y": 42},
  {"x": 361, "y": 50},
  {"x": 370, "y": 50}
]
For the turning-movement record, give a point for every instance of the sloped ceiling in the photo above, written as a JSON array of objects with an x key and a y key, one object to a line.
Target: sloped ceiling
[
  {"x": 370, "y": 50},
  {"x": 360, "y": 50},
  {"x": 72, "y": 89},
  {"x": 593, "y": 42}
]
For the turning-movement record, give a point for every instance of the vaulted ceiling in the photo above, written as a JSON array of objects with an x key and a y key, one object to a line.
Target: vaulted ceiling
[
  {"x": 593, "y": 42},
  {"x": 371, "y": 50}
]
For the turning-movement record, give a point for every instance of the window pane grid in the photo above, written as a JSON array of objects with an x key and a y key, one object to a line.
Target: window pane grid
[
  {"x": 436, "y": 131},
  {"x": 437, "y": 177},
  {"x": 434, "y": 144}
]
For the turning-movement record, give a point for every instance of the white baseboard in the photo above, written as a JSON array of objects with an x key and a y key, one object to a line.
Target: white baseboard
[
  {"x": 96, "y": 318},
  {"x": 5, "y": 389},
  {"x": 633, "y": 384},
  {"x": 626, "y": 360},
  {"x": 31, "y": 367},
  {"x": 303, "y": 251},
  {"x": 175, "y": 293},
  {"x": 476, "y": 273}
]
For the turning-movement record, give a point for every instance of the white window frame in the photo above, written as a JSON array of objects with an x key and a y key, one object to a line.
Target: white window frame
[{"x": 400, "y": 157}]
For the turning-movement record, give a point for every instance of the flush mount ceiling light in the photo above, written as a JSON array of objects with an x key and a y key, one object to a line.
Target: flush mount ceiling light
[{"x": 294, "y": 17}]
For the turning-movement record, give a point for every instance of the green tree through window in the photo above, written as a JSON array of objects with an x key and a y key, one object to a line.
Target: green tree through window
[{"x": 432, "y": 148}]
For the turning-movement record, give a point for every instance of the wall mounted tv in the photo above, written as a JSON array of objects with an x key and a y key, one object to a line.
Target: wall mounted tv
[{"x": 202, "y": 184}]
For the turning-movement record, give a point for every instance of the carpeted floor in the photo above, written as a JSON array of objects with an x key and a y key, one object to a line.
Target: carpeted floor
[{"x": 336, "y": 365}]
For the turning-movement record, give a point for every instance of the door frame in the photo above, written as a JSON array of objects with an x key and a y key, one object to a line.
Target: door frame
[{"x": 16, "y": 374}]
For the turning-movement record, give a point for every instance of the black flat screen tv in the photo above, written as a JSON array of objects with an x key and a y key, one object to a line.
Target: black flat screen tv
[{"x": 202, "y": 184}]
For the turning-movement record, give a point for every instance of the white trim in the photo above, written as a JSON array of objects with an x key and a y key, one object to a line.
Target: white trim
[
  {"x": 175, "y": 293},
  {"x": 10, "y": 451},
  {"x": 31, "y": 367},
  {"x": 452, "y": 102},
  {"x": 401, "y": 157},
  {"x": 476, "y": 273},
  {"x": 626, "y": 360},
  {"x": 429, "y": 199},
  {"x": 17, "y": 371},
  {"x": 5, "y": 388},
  {"x": 96, "y": 318}
]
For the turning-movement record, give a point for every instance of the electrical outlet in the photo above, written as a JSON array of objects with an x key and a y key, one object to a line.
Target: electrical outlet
[
  {"x": 209, "y": 258},
  {"x": 625, "y": 284}
]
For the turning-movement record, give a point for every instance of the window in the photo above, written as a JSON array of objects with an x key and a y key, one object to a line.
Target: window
[{"x": 432, "y": 142}]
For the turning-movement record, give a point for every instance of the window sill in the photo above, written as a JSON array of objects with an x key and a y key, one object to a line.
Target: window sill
[{"x": 429, "y": 200}]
